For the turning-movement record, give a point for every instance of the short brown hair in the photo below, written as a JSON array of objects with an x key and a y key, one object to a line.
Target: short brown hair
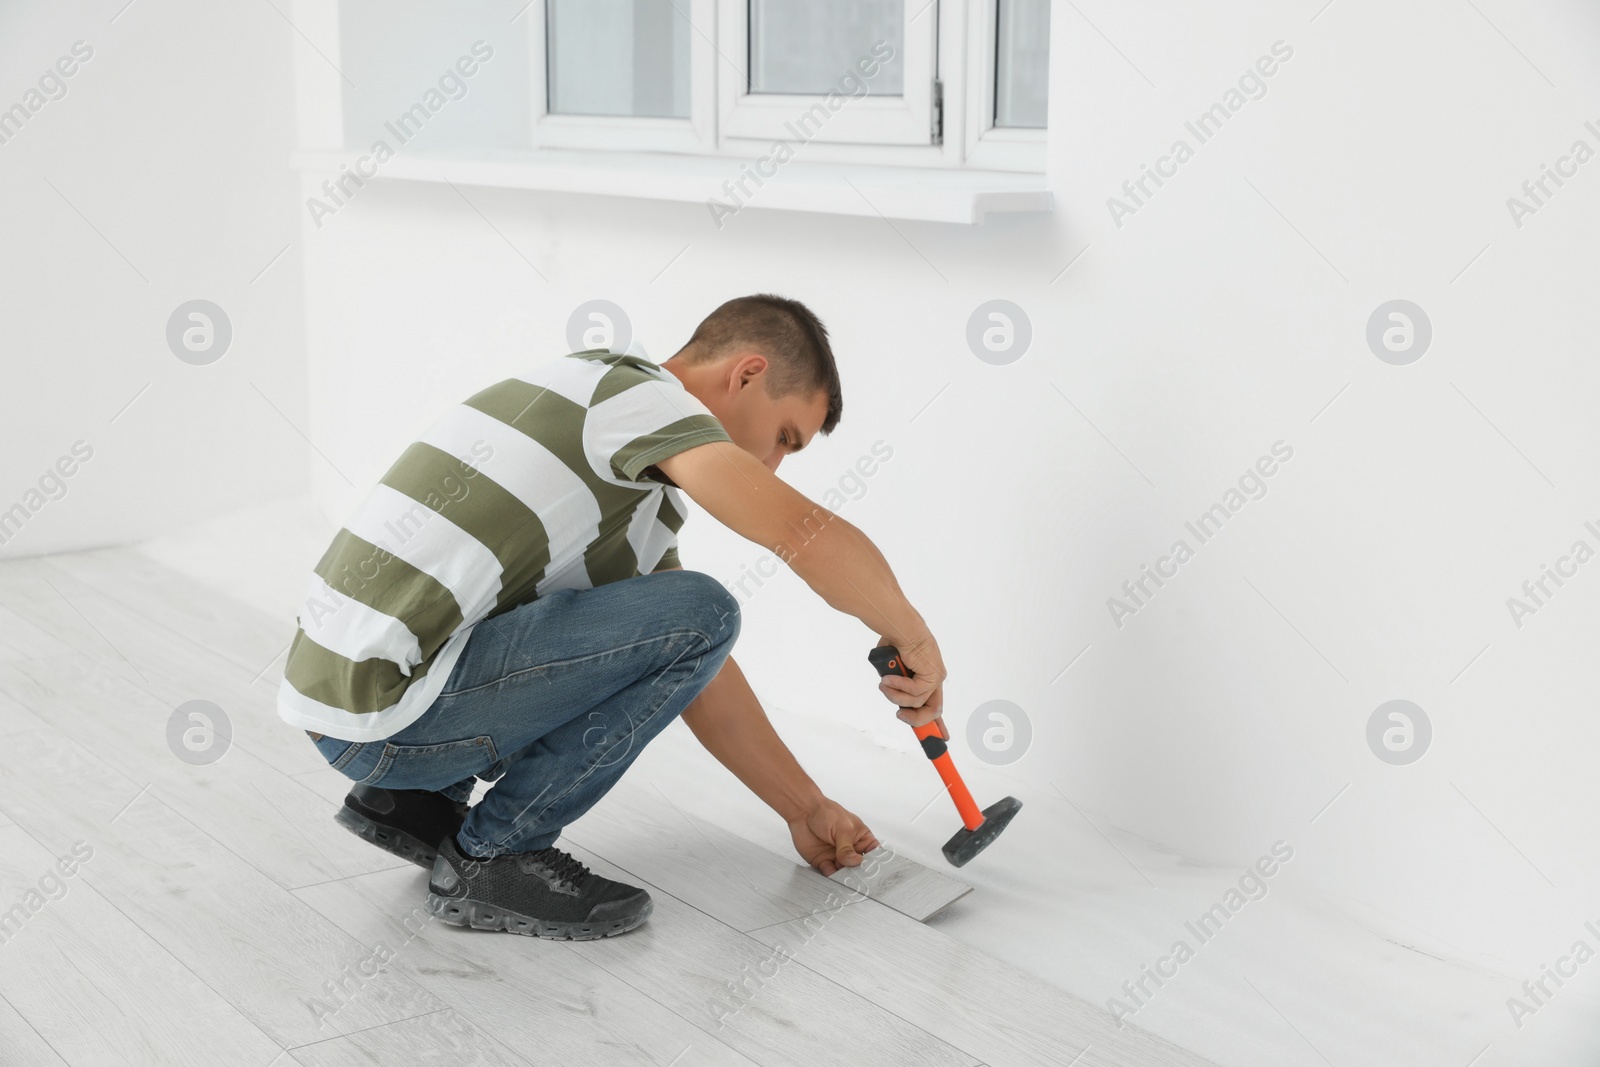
[{"x": 785, "y": 331}]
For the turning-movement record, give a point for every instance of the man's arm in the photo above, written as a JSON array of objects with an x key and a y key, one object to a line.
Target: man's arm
[
  {"x": 728, "y": 720},
  {"x": 730, "y": 723},
  {"x": 838, "y": 561}
]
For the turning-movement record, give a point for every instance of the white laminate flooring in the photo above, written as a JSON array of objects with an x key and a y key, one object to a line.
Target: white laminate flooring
[{"x": 220, "y": 914}]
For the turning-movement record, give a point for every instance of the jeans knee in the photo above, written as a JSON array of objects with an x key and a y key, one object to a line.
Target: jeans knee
[{"x": 711, "y": 605}]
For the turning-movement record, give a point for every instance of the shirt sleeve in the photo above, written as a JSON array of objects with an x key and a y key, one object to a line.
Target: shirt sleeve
[{"x": 645, "y": 423}]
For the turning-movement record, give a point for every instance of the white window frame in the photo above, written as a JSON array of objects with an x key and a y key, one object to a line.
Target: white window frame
[
  {"x": 991, "y": 147},
  {"x": 697, "y": 133},
  {"x": 955, "y": 38},
  {"x": 869, "y": 119}
]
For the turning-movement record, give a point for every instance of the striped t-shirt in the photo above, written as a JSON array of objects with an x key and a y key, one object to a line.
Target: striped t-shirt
[{"x": 537, "y": 483}]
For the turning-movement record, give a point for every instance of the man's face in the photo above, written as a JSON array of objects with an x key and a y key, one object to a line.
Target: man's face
[{"x": 769, "y": 429}]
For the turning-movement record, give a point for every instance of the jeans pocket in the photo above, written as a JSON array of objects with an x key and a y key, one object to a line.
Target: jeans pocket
[{"x": 432, "y": 766}]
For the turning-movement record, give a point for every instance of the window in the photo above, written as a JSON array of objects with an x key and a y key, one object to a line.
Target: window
[
  {"x": 617, "y": 57},
  {"x": 1022, "y": 63},
  {"x": 622, "y": 74},
  {"x": 1008, "y": 82},
  {"x": 904, "y": 82},
  {"x": 802, "y": 48},
  {"x": 829, "y": 71}
]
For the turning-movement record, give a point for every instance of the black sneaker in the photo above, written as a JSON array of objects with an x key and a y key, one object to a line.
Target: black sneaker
[
  {"x": 542, "y": 894},
  {"x": 408, "y": 822}
]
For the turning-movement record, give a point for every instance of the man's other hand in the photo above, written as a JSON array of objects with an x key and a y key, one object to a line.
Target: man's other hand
[{"x": 829, "y": 837}]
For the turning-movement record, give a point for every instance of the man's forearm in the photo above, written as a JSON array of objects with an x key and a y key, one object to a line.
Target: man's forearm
[
  {"x": 728, "y": 720},
  {"x": 846, "y": 569},
  {"x": 834, "y": 558}
]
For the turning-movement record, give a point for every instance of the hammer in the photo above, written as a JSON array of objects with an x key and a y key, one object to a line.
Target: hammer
[{"x": 979, "y": 828}]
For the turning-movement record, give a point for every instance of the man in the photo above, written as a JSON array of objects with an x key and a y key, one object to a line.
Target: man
[{"x": 508, "y": 605}]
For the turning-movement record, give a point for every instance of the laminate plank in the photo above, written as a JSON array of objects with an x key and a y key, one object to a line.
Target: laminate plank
[
  {"x": 328, "y": 784},
  {"x": 277, "y": 824},
  {"x": 22, "y": 1042},
  {"x": 982, "y": 1005},
  {"x": 900, "y": 882},
  {"x": 93, "y": 985},
  {"x": 16, "y": 718},
  {"x": 525, "y": 992},
  {"x": 21, "y": 639},
  {"x": 444, "y": 1037},
  {"x": 289, "y": 971},
  {"x": 203, "y": 614},
  {"x": 638, "y": 828},
  {"x": 751, "y": 997},
  {"x": 157, "y": 659}
]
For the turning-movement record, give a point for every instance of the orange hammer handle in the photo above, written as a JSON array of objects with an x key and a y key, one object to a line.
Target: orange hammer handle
[{"x": 886, "y": 658}]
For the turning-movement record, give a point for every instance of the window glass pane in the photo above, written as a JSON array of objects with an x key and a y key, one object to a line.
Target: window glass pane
[
  {"x": 808, "y": 46},
  {"x": 617, "y": 57},
  {"x": 400, "y": 56},
  {"x": 1022, "y": 63}
]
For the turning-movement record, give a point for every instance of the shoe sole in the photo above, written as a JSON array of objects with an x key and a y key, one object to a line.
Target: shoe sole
[
  {"x": 480, "y": 916},
  {"x": 398, "y": 842}
]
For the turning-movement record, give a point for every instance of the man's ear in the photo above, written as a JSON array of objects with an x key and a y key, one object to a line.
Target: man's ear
[{"x": 748, "y": 367}]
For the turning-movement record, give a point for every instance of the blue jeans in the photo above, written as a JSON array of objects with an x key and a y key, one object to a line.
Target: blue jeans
[{"x": 552, "y": 701}]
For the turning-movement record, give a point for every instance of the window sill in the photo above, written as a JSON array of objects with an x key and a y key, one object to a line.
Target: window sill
[{"x": 913, "y": 193}]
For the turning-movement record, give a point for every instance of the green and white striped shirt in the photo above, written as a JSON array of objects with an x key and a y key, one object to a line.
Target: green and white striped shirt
[{"x": 537, "y": 483}]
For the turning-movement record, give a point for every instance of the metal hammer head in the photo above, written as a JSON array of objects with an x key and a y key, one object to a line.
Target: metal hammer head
[{"x": 968, "y": 843}]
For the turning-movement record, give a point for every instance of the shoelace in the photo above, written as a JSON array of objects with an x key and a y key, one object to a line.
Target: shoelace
[{"x": 564, "y": 865}]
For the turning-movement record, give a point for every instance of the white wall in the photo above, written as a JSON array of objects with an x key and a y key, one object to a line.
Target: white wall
[
  {"x": 1221, "y": 318},
  {"x": 161, "y": 176}
]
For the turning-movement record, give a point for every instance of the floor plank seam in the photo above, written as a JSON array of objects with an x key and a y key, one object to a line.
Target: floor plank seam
[
  {"x": 574, "y": 947},
  {"x": 140, "y": 612},
  {"x": 589, "y": 958},
  {"x": 286, "y": 646},
  {"x": 157, "y": 942},
  {"x": 488, "y": 1032},
  {"x": 474, "y": 1019},
  {"x": 189, "y": 647},
  {"x": 695, "y": 826},
  {"x": 35, "y": 1029},
  {"x": 295, "y": 778},
  {"x": 799, "y": 918},
  {"x": 634, "y": 874},
  {"x": 257, "y": 757},
  {"x": 267, "y": 878},
  {"x": 218, "y": 842},
  {"x": 365, "y": 1029},
  {"x": 359, "y": 874},
  {"x": 124, "y": 809},
  {"x": 90, "y": 623},
  {"x": 932, "y": 1038},
  {"x": 293, "y": 825}
]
